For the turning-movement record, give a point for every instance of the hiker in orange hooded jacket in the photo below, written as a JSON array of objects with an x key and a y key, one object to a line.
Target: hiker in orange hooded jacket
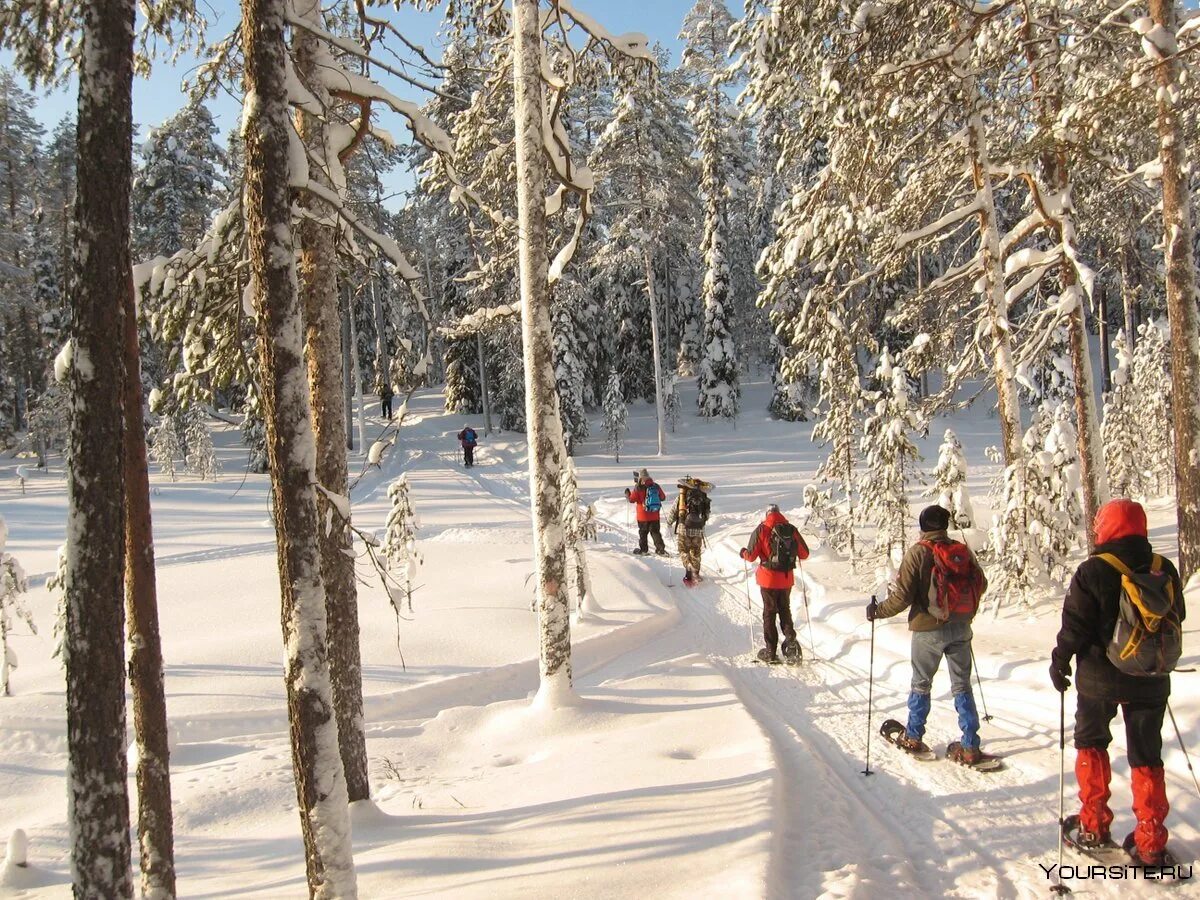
[{"x": 777, "y": 546}]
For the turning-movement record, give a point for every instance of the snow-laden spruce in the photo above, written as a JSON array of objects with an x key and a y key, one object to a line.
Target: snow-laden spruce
[
  {"x": 616, "y": 416},
  {"x": 400, "y": 544},
  {"x": 949, "y": 488},
  {"x": 13, "y": 586}
]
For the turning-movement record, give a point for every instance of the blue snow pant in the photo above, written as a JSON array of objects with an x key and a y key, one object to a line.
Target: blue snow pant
[{"x": 953, "y": 641}]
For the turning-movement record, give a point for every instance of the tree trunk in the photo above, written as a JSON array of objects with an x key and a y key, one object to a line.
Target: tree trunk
[
  {"x": 1105, "y": 342},
  {"x": 658, "y": 380},
  {"x": 546, "y": 451},
  {"x": 383, "y": 367},
  {"x": 1045, "y": 79},
  {"x": 356, "y": 378},
  {"x": 1181, "y": 299},
  {"x": 483, "y": 385},
  {"x": 347, "y": 391},
  {"x": 316, "y": 762},
  {"x": 322, "y": 350},
  {"x": 1128, "y": 297},
  {"x": 97, "y": 796},
  {"x": 155, "y": 822}
]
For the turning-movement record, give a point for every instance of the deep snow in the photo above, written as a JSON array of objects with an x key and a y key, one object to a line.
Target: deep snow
[{"x": 684, "y": 769}]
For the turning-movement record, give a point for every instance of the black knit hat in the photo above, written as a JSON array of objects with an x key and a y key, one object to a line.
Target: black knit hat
[{"x": 934, "y": 518}]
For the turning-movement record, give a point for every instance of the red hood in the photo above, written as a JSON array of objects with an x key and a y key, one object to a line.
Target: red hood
[
  {"x": 774, "y": 519},
  {"x": 1119, "y": 518}
]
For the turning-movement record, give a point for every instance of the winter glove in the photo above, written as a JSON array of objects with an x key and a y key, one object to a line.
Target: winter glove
[
  {"x": 872, "y": 610},
  {"x": 1059, "y": 672},
  {"x": 626, "y": 493},
  {"x": 744, "y": 554}
]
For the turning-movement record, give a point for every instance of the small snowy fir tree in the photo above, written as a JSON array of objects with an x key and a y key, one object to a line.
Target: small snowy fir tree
[
  {"x": 400, "y": 544},
  {"x": 579, "y": 525},
  {"x": 13, "y": 585},
  {"x": 950, "y": 482},
  {"x": 615, "y": 415},
  {"x": 1058, "y": 461},
  {"x": 1152, "y": 389},
  {"x": 671, "y": 407},
  {"x": 199, "y": 455},
  {"x": 568, "y": 369},
  {"x": 166, "y": 448},
  {"x": 718, "y": 374},
  {"x": 57, "y": 585},
  {"x": 890, "y": 456},
  {"x": 1119, "y": 431},
  {"x": 840, "y": 407},
  {"x": 254, "y": 434}
]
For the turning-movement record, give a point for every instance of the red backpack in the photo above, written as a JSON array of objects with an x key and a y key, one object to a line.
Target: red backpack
[{"x": 956, "y": 582}]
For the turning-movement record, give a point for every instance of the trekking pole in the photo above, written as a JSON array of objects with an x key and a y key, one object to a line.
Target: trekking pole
[
  {"x": 812, "y": 644},
  {"x": 979, "y": 684},
  {"x": 749, "y": 604},
  {"x": 1061, "y": 888},
  {"x": 1179, "y": 737},
  {"x": 870, "y": 691}
]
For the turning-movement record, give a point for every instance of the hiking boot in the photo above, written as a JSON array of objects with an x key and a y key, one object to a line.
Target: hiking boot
[
  {"x": 912, "y": 744},
  {"x": 661, "y": 551},
  {"x": 638, "y": 551},
  {"x": 1092, "y": 840},
  {"x": 1143, "y": 859},
  {"x": 967, "y": 756},
  {"x": 688, "y": 579},
  {"x": 767, "y": 655}
]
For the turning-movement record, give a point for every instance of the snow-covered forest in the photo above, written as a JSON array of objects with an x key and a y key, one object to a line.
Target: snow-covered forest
[{"x": 850, "y": 257}]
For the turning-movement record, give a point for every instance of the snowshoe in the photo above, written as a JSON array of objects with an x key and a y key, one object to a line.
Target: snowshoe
[
  {"x": 791, "y": 652},
  {"x": 638, "y": 551},
  {"x": 1129, "y": 846},
  {"x": 973, "y": 758},
  {"x": 688, "y": 580},
  {"x": 894, "y": 733},
  {"x": 662, "y": 552},
  {"x": 1102, "y": 849},
  {"x": 768, "y": 656}
]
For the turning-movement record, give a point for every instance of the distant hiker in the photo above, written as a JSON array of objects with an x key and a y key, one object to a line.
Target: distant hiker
[
  {"x": 649, "y": 498},
  {"x": 777, "y": 545},
  {"x": 940, "y": 585},
  {"x": 1121, "y": 621},
  {"x": 468, "y": 438},
  {"x": 385, "y": 401},
  {"x": 688, "y": 517}
]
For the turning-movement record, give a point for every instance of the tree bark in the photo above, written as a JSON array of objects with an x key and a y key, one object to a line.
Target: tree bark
[
  {"x": 316, "y": 762},
  {"x": 483, "y": 385},
  {"x": 347, "y": 393},
  {"x": 544, "y": 426},
  {"x": 1181, "y": 298},
  {"x": 658, "y": 379},
  {"x": 1105, "y": 342},
  {"x": 156, "y": 830},
  {"x": 97, "y": 797},
  {"x": 322, "y": 350}
]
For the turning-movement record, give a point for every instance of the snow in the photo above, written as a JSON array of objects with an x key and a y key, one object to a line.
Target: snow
[{"x": 678, "y": 769}]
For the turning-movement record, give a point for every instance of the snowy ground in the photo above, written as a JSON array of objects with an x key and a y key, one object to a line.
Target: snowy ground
[{"x": 685, "y": 769}]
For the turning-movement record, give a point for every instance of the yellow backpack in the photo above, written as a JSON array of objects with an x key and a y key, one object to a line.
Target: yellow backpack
[{"x": 1148, "y": 638}]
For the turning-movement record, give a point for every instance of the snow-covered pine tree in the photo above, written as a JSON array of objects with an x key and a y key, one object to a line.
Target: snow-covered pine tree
[
  {"x": 199, "y": 455},
  {"x": 950, "y": 482},
  {"x": 568, "y": 368},
  {"x": 840, "y": 406},
  {"x": 166, "y": 445},
  {"x": 671, "y": 404},
  {"x": 1119, "y": 429},
  {"x": 579, "y": 526},
  {"x": 1154, "y": 435},
  {"x": 13, "y": 585},
  {"x": 400, "y": 544},
  {"x": 890, "y": 457},
  {"x": 616, "y": 415}
]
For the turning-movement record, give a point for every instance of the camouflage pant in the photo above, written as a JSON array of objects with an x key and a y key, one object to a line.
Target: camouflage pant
[{"x": 690, "y": 544}]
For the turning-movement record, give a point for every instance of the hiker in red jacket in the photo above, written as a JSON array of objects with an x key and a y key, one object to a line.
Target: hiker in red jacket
[
  {"x": 1089, "y": 625},
  {"x": 778, "y": 546},
  {"x": 649, "y": 498}
]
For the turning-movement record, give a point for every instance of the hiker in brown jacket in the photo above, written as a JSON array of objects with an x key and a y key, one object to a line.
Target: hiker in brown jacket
[{"x": 939, "y": 616}]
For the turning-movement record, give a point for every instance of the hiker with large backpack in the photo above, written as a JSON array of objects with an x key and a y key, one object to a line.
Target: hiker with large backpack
[
  {"x": 468, "y": 438},
  {"x": 940, "y": 584},
  {"x": 649, "y": 498},
  {"x": 1122, "y": 623},
  {"x": 777, "y": 546},
  {"x": 688, "y": 517}
]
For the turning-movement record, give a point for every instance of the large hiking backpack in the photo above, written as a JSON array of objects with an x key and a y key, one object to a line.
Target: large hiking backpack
[
  {"x": 654, "y": 498},
  {"x": 784, "y": 543},
  {"x": 956, "y": 582},
  {"x": 470, "y": 437},
  {"x": 696, "y": 507},
  {"x": 1148, "y": 637}
]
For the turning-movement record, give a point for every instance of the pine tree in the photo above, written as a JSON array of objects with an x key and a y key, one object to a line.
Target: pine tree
[
  {"x": 400, "y": 543},
  {"x": 166, "y": 445},
  {"x": 579, "y": 525},
  {"x": 890, "y": 457},
  {"x": 615, "y": 415},
  {"x": 950, "y": 482},
  {"x": 13, "y": 584},
  {"x": 199, "y": 455},
  {"x": 840, "y": 407},
  {"x": 1119, "y": 430},
  {"x": 568, "y": 368},
  {"x": 1153, "y": 410}
]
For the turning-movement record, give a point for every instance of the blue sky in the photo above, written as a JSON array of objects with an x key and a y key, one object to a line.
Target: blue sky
[{"x": 156, "y": 98}]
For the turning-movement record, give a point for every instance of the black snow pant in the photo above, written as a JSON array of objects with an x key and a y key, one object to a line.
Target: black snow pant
[
  {"x": 777, "y": 602},
  {"x": 654, "y": 529},
  {"x": 468, "y": 455},
  {"x": 386, "y": 408},
  {"x": 1143, "y": 727}
]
